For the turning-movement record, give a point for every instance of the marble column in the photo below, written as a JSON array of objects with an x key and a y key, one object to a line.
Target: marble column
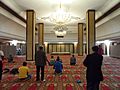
[
  {"x": 90, "y": 30},
  {"x": 41, "y": 34},
  {"x": 30, "y": 35},
  {"x": 80, "y": 39}
]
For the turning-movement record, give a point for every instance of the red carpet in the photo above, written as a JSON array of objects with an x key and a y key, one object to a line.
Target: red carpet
[
  {"x": 65, "y": 81},
  {"x": 50, "y": 87},
  {"x": 32, "y": 86},
  {"x": 15, "y": 86}
]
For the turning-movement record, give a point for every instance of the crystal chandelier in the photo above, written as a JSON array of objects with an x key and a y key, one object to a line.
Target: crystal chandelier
[
  {"x": 60, "y": 33},
  {"x": 60, "y": 17},
  {"x": 60, "y": 30}
]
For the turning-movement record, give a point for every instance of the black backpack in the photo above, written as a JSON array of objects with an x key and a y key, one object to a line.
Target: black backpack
[{"x": 14, "y": 71}]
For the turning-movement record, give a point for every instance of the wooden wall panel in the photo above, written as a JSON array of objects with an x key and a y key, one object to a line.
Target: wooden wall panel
[
  {"x": 55, "y": 47},
  {"x": 58, "y": 48},
  {"x": 50, "y": 48},
  {"x": 62, "y": 48}
]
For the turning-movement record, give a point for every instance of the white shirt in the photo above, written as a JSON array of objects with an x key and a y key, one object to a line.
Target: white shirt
[{"x": 1, "y": 54}]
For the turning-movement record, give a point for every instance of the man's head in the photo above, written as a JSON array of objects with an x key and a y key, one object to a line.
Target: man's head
[
  {"x": 40, "y": 47},
  {"x": 24, "y": 63},
  {"x": 73, "y": 55},
  {"x": 99, "y": 45},
  {"x": 95, "y": 48}
]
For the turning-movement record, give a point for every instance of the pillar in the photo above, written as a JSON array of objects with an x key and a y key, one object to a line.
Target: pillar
[
  {"x": 41, "y": 34},
  {"x": 90, "y": 30},
  {"x": 30, "y": 35},
  {"x": 80, "y": 39}
]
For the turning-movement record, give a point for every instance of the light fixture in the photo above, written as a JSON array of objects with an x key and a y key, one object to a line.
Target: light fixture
[
  {"x": 60, "y": 17},
  {"x": 60, "y": 33},
  {"x": 60, "y": 30}
]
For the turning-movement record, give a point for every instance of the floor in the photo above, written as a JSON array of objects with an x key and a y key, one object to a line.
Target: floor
[{"x": 67, "y": 80}]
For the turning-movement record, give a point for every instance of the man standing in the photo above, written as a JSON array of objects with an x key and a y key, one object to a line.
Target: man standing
[
  {"x": 40, "y": 62},
  {"x": 94, "y": 75}
]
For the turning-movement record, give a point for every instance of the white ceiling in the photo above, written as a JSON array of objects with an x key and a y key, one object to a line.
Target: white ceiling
[
  {"x": 77, "y": 8},
  {"x": 45, "y": 7}
]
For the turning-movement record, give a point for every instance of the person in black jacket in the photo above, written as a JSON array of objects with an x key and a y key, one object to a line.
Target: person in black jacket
[
  {"x": 40, "y": 62},
  {"x": 72, "y": 60},
  {"x": 94, "y": 75}
]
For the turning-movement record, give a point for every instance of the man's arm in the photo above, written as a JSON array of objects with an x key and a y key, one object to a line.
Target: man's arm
[{"x": 85, "y": 62}]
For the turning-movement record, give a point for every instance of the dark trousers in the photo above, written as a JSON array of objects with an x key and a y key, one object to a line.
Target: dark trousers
[
  {"x": 72, "y": 63},
  {"x": 93, "y": 85},
  {"x": 38, "y": 72},
  {"x": 1, "y": 69}
]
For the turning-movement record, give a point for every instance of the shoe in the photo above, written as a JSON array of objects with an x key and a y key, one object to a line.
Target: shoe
[{"x": 44, "y": 80}]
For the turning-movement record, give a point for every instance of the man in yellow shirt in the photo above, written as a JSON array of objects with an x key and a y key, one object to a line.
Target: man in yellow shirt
[{"x": 24, "y": 72}]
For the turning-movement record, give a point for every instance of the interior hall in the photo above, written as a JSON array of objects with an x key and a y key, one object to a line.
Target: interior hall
[{"x": 63, "y": 28}]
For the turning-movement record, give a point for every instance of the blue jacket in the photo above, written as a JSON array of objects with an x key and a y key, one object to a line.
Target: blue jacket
[{"x": 58, "y": 66}]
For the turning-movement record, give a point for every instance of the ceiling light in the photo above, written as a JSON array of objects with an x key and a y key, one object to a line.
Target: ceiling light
[
  {"x": 60, "y": 17},
  {"x": 60, "y": 30},
  {"x": 60, "y": 33}
]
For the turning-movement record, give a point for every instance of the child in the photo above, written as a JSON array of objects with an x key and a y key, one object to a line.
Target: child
[
  {"x": 58, "y": 66},
  {"x": 52, "y": 61},
  {"x": 24, "y": 72}
]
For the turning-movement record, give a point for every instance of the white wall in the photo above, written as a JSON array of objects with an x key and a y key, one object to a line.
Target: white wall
[
  {"x": 108, "y": 30},
  {"x": 69, "y": 37},
  {"x": 11, "y": 29},
  {"x": 115, "y": 51}
]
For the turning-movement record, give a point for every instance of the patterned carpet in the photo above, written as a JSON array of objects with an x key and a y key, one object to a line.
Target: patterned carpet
[{"x": 65, "y": 81}]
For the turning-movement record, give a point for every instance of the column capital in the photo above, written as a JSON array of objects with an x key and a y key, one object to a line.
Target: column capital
[
  {"x": 90, "y": 10},
  {"x": 30, "y": 10},
  {"x": 41, "y": 23}
]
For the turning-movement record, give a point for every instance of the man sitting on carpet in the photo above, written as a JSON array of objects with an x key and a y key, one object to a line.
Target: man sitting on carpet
[
  {"x": 72, "y": 60},
  {"x": 58, "y": 66},
  {"x": 24, "y": 72}
]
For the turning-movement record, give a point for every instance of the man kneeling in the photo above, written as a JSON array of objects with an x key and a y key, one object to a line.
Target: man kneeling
[{"x": 24, "y": 72}]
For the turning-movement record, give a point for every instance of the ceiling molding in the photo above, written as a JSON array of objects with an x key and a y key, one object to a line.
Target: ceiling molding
[
  {"x": 117, "y": 6},
  {"x": 4, "y": 6}
]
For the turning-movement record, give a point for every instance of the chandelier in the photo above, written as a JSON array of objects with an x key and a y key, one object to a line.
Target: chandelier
[
  {"x": 60, "y": 30},
  {"x": 60, "y": 17}
]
